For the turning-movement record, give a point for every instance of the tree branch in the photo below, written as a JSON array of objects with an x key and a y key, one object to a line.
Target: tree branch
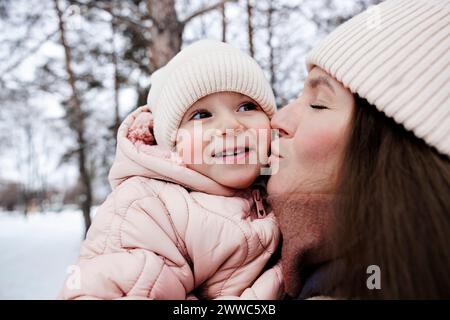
[
  {"x": 109, "y": 8},
  {"x": 206, "y": 9},
  {"x": 26, "y": 54}
]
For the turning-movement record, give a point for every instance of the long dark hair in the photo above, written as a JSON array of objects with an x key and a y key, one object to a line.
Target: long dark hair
[{"x": 392, "y": 211}]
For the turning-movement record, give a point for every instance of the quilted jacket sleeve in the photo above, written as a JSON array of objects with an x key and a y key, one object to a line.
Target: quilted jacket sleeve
[
  {"x": 136, "y": 273},
  {"x": 122, "y": 259},
  {"x": 269, "y": 286}
]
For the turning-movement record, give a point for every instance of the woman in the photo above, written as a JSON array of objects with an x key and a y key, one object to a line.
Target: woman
[{"x": 362, "y": 181}]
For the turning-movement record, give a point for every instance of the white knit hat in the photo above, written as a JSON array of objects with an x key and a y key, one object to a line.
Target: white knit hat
[
  {"x": 397, "y": 56},
  {"x": 203, "y": 68}
]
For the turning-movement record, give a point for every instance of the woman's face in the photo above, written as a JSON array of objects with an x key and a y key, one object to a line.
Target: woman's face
[{"x": 313, "y": 131}]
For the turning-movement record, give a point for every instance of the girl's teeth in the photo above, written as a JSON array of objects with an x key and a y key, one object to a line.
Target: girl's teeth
[{"x": 230, "y": 153}]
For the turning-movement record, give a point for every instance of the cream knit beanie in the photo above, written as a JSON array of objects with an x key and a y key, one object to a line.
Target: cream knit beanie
[
  {"x": 203, "y": 68},
  {"x": 397, "y": 56}
]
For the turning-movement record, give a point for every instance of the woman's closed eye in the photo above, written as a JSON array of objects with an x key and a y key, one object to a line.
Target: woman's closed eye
[
  {"x": 248, "y": 106},
  {"x": 317, "y": 107},
  {"x": 200, "y": 114}
]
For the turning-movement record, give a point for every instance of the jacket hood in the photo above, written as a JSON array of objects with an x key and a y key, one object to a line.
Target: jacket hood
[{"x": 138, "y": 154}]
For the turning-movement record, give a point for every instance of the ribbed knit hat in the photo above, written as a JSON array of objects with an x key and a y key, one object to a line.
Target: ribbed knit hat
[
  {"x": 203, "y": 68},
  {"x": 397, "y": 56}
]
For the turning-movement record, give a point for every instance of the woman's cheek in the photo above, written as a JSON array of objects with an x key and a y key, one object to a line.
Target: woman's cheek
[{"x": 319, "y": 144}]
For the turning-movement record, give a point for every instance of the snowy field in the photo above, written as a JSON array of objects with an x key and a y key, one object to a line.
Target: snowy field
[{"x": 35, "y": 252}]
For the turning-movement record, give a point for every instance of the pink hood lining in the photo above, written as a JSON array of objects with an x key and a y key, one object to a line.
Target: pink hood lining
[{"x": 138, "y": 155}]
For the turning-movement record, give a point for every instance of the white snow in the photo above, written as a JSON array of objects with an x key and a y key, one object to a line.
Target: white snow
[{"x": 35, "y": 252}]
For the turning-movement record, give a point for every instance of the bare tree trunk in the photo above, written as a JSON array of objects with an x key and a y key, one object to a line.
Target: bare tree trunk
[
  {"x": 250, "y": 28},
  {"x": 22, "y": 186},
  {"x": 78, "y": 122},
  {"x": 142, "y": 95},
  {"x": 116, "y": 82},
  {"x": 224, "y": 23},
  {"x": 29, "y": 166},
  {"x": 270, "y": 30},
  {"x": 166, "y": 32}
]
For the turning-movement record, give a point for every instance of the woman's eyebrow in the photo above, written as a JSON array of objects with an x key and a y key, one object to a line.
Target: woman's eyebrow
[{"x": 320, "y": 81}]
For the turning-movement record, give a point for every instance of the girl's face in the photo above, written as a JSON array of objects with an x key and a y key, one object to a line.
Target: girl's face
[
  {"x": 225, "y": 136},
  {"x": 313, "y": 129}
]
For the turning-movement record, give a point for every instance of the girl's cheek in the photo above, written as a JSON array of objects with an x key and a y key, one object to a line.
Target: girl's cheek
[
  {"x": 187, "y": 148},
  {"x": 263, "y": 132},
  {"x": 264, "y": 139},
  {"x": 183, "y": 150}
]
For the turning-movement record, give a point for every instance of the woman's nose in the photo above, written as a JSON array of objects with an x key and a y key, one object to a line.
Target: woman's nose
[{"x": 285, "y": 122}]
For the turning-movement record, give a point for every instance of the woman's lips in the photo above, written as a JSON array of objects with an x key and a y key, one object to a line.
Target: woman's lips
[
  {"x": 275, "y": 148},
  {"x": 274, "y": 155},
  {"x": 273, "y": 159}
]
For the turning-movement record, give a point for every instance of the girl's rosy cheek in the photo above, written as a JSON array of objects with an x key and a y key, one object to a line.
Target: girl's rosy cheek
[
  {"x": 264, "y": 137},
  {"x": 186, "y": 147}
]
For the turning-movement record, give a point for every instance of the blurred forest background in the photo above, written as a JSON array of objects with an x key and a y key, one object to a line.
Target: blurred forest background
[{"x": 71, "y": 70}]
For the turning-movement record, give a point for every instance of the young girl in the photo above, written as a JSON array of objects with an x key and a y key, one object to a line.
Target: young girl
[{"x": 183, "y": 220}]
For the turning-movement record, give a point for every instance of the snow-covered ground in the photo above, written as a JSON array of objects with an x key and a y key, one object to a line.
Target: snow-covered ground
[{"x": 35, "y": 252}]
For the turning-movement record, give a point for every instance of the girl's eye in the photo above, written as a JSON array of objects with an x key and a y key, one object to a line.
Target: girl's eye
[
  {"x": 247, "y": 107},
  {"x": 200, "y": 114},
  {"x": 317, "y": 107}
]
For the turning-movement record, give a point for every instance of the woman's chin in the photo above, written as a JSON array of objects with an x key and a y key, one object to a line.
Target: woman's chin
[{"x": 274, "y": 184}]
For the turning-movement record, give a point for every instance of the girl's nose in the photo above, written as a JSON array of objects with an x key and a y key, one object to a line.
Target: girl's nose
[{"x": 231, "y": 126}]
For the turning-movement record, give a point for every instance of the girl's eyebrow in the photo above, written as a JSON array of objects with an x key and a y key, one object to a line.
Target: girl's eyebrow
[
  {"x": 245, "y": 99},
  {"x": 320, "y": 81}
]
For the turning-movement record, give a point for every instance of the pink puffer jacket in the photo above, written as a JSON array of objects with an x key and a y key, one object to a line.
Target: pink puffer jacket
[{"x": 167, "y": 230}]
